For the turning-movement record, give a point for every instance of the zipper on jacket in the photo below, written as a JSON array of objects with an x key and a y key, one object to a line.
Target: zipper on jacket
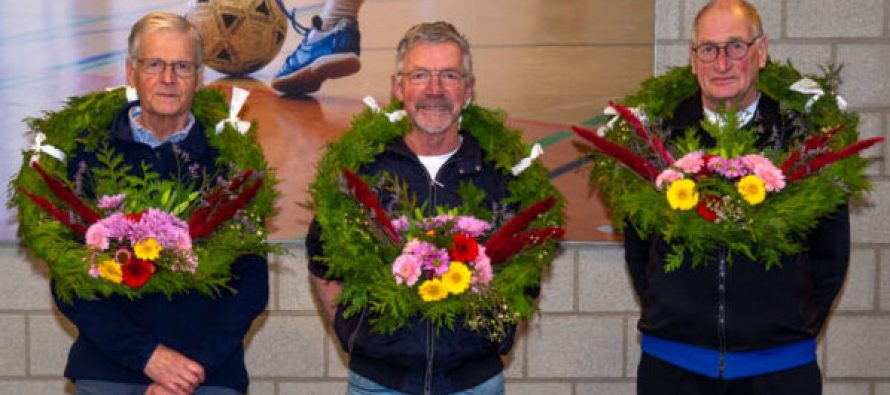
[
  {"x": 430, "y": 353},
  {"x": 721, "y": 308}
]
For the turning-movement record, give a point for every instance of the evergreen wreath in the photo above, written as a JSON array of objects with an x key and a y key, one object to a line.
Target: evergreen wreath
[
  {"x": 821, "y": 168},
  {"x": 53, "y": 239},
  {"x": 354, "y": 254}
]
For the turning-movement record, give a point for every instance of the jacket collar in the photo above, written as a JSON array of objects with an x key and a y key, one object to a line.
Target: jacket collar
[
  {"x": 469, "y": 155},
  {"x": 195, "y": 142}
]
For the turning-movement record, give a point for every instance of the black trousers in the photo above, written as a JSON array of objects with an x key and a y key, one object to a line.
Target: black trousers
[{"x": 657, "y": 377}]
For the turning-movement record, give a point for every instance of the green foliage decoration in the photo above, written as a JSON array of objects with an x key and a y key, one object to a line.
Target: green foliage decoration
[
  {"x": 769, "y": 230},
  {"x": 85, "y": 119},
  {"x": 354, "y": 254}
]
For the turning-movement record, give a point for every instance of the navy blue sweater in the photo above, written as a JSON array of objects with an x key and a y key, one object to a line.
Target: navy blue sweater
[{"x": 116, "y": 336}]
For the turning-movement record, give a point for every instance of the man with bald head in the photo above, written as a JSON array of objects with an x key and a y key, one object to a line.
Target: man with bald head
[{"x": 730, "y": 326}]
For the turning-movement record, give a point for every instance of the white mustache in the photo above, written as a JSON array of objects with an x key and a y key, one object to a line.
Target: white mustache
[{"x": 435, "y": 103}]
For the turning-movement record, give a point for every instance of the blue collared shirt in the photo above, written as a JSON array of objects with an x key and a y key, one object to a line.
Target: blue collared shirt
[{"x": 145, "y": 136}]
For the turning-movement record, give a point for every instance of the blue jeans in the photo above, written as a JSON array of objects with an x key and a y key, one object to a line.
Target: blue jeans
[
  {"x": 360, "y": 385},
  {"x": 101, "y": 387}
]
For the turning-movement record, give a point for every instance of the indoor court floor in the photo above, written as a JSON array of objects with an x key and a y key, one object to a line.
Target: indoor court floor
[{"x": 548, "y": 63}]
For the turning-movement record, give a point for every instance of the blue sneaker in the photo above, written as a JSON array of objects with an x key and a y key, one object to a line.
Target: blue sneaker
[{"x": 331, "y": 53}]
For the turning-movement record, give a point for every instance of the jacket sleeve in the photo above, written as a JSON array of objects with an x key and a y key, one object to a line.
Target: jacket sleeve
[
  {"x": 636, "y": 255},
  {"x": 104, "y": 323},
  {"x": 233, "y": 313},
  {"x": 829, "y": 252}
]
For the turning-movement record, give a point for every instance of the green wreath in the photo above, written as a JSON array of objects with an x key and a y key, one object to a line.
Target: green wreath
[
  {"x": 70, "y": 261},
  {"x": 353, "y": 254},
  {"x": 762, "y": 232}
]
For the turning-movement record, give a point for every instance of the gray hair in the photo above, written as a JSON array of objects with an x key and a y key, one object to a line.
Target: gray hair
[
  {"x": 748, "y": 11},
  {"x": 434, "y": 32},
  {"x": 155, "y": 21}
]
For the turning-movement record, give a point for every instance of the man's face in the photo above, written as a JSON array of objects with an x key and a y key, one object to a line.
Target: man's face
[
  {"x": 434, "y": 106},
  {"x": 726, "y": 79},
  {"x": 165, "y": 94}
]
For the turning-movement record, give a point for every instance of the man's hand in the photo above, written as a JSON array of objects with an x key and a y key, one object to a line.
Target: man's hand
[
  {"x": 157, "y": 389},
  {"x": 176, "y": 373},
  {"x": 326, "y": 291}
]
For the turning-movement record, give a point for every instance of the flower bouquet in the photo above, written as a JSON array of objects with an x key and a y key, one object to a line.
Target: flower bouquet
[
  {"x": 474, "y": 265},
  {"x": 443, "y": 260},
  {"x": 134, "y": 234},
  {"x": 755, "y": 202}
]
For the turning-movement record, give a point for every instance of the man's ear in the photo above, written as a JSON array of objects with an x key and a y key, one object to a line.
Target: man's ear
[
  {"x": 762, "y": 51},
  {"x": 692, "y": 64},
  {"x": 396, "y": 88},
  {"x": 131, "y": 72}
]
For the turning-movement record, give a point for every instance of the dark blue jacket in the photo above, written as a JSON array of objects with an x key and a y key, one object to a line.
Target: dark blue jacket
[
  {"x": 415, "y": 360},
  {"x": 740, "y": 307},
  {"x": 116, "y": 336}
]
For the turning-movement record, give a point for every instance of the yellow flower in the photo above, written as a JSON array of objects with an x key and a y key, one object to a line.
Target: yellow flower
[
  {"x": 457, "y": 278},
  {"x": 752, "y": 189},
  {"x": 148, "y": 249},
  {"x": 682, "y": 195},
  {"x": 111, "y": 271},
  {"x": 432, "y": 290}
]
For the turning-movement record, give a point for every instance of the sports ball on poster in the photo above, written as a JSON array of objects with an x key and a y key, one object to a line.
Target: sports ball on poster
[{"x": 240, "y": 36}]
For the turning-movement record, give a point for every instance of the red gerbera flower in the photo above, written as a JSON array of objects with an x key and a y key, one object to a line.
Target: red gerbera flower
[
  {"x": 707, "y": 212},
  {"x": 464, "y": 249},
  {"x": 136, "y": 272}
]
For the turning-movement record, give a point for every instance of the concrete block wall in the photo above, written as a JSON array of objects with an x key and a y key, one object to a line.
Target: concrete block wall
[{"x": 583, "y": 340}]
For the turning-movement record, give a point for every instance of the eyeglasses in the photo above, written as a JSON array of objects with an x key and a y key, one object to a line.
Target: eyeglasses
[
  {"x": 735, "y": 50},
  {"x": 448, "y": 78},
  {"x": 157, "y": 66}
]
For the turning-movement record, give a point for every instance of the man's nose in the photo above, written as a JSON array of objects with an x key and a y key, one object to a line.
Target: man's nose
[
  {"x": 168, "y": 76},
  {"x": 722, "y": 62}
]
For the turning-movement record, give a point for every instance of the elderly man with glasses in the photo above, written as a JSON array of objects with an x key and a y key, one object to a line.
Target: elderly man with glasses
[
  {"x": 731, "y": 326},
  {"x": 185, "y": 343},
  {"x": 434, "y": 81}
]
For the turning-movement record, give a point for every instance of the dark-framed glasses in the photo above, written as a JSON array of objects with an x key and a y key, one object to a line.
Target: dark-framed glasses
[
  {"x": 181, "y": 68},
  {"x": 449, "y": 78},
  {"x": 735, "y": 50}
]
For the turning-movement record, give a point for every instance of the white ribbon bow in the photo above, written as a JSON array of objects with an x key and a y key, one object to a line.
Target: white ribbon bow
[
  {"x": 393, "y": 117},
  {"x": 609, "y": 110},
  {"x": 39, "y": 147},
  {"x": 810, "y": 87},
  {"x": 239, "y": 97},
  {"x": 128, "y": 90},
  {"x": 524, "y": 163}
]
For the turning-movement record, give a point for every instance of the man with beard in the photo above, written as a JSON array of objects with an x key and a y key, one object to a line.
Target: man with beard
[{"x": 434, "y": 81}]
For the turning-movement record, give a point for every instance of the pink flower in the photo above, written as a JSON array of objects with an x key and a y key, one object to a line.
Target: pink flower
[
  {"x": 667, "y": 176},
  {"x": 472, "y": 226},
  {"x": 111, "y": 202},
  {"x": 184, "y": 241},
  {"x": 406, "y": 269},
  {"x": 97, "y": 236},
  {"x": 773, "y": 179},
  {"x": 691, "y": 163},
  {"x": 482, "y": 273},
  {"x": 94, "y": 271}
]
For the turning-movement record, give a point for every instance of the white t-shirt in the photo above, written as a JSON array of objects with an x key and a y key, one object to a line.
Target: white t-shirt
[{"x": 434, "y": 162}]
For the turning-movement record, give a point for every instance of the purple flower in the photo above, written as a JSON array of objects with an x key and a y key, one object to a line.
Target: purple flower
[
  {"x": 734, "y": 168},
  {"x": 161, "y": 225},
  {"x": 431, "y": 258},
  {"x": 400, "y": 224},
  {"x": 111, "y": 202}
]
